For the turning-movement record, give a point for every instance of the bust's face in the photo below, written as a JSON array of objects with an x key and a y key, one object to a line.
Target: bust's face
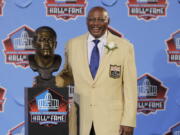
[{"x": 45, "y": 43}]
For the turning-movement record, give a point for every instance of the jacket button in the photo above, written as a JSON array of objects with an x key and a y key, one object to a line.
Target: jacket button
[{"x": 93, "y": 86}]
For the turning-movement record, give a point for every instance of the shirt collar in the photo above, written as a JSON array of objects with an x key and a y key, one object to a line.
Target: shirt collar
[{"x": 91, "y": 38}]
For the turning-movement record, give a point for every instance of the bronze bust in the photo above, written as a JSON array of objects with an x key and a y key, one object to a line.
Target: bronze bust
[{"x": 44, "y": 61}]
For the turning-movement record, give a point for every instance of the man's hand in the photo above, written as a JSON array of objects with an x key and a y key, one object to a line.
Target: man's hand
[
  {"x": 59, "y": 81},
  {"x": 125, "y": 130}
]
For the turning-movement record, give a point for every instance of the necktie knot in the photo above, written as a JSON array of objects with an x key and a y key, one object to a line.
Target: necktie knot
[{"x": 96, "y": 41}]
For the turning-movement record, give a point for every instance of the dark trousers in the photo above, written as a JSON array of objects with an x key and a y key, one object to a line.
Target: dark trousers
[{"x": 92, "y": 131}]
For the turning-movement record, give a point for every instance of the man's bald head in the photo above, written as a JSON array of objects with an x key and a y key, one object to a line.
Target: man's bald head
[{"x": 97, "y": 21}]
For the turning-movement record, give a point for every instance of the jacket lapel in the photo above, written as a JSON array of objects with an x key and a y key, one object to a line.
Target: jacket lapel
[
  {"x": 105, "y": 58},
  {"x": 84, "y": 51}
]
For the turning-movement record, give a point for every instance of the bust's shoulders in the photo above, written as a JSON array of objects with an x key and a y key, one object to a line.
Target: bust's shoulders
[{"x": 32, "y": 62}]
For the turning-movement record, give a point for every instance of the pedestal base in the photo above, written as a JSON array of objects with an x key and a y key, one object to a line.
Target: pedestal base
[{"x": 46, "y": 111}]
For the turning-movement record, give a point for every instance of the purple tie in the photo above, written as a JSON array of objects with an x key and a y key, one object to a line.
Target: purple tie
[{"x": 94, "y": 62}]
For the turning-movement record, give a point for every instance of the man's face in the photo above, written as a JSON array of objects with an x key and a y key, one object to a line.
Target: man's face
[
  {"x": 97, "y": 22},
  {"x": 45, "y": 43}
]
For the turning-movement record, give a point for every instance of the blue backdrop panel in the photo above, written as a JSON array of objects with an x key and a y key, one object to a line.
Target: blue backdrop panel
[{"x": 153, "y": 26}]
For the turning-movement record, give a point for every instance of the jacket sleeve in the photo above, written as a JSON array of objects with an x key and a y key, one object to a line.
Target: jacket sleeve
[
  {"x": 65, "y": 78},
  {"x": 129, "y": 89}
]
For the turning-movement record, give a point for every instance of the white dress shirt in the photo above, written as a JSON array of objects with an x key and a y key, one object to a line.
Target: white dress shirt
[{"x": 101, "y": 44}]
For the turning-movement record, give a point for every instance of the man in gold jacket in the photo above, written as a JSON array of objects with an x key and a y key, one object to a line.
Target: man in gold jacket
[{"x": 104, "y": 75}]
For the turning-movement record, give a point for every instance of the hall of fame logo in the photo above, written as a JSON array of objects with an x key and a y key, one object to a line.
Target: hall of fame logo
[
  {"x": 18, "y": 46},
  {"x": 2, "y": 2},
  {"x": 173, "y": 50},
  {"x": 151, "y": 95},
  {"x": 115, "y": 32},
  {"x": 174, "y": 130},
  {"x": 65, "y": 9},
  {"x": 18, "y": 130},
  {"x": 115, "y": 71},
  {"x": 147, "y": 9},
  {"x": 48, "y": 109},
  {"x": 2, "y": 98}
]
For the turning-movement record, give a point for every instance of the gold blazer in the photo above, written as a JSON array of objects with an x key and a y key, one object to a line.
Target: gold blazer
[{"x": 110, "y": 100}]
